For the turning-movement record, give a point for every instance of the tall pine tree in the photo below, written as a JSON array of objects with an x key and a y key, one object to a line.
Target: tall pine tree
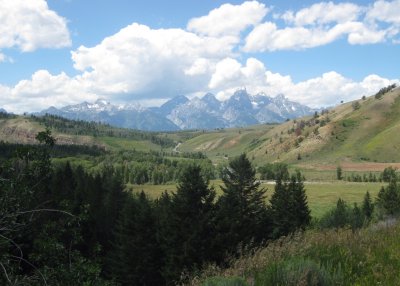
[
  {"x": 281, "y": 206},
  {"x": 188, "y": 226},
  {"x": 388, "y": 199},
  {"x": 367, "y": 207},
  {"x": 301, "y": 212},
  {"x": 136, "y": 258},
  {"x": 242, "y": 212},
  {"x": 289, "y": 207}
]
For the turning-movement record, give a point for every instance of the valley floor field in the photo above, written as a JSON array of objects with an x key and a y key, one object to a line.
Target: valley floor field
[
  {"x": 322, "y": 196},
  {"x": 352, "y": 166}
]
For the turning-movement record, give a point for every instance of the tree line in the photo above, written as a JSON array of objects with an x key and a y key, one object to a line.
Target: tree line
[
  {"x": 387, "y": 175},
  {"x": 97, "y": 129},
  {"x": 7, "y": 150}
]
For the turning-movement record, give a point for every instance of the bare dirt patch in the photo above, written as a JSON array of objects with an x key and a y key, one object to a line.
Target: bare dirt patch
[{"x": 231, "y": 143}]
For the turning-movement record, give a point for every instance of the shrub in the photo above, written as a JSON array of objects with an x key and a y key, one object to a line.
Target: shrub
[
  {"x": 389, "y": 174},
  {"x": 271, "y": 171},
  {"x": 343, "y": 216},
  {"x": 296, "y": 271},
  {"x": 384, "y": 90},
  {"x": 356, "y": 105}
]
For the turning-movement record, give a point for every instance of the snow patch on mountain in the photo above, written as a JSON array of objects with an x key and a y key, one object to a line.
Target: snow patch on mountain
[{"x": 208, "y": 112}]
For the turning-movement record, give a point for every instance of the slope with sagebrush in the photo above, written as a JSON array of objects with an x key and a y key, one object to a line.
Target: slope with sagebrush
[
  {"x": 365, "y": 130},
  {"x": 362, "y": 130}
]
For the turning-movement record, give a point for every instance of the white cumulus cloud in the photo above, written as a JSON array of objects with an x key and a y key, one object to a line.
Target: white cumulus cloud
[
  {"x": 326, "y": 90},
  {"x": 43, "y": 90},
  {"x": 385, "y": 11},
  {"x": 141, "y": 63},
  {"x": 29, "y": 25},
  {"x": 229, "y": 19},
  {"x": 323, "y": 13},
  {"x": 325, "y": 22},
  {"x": 141, "y": 60}
]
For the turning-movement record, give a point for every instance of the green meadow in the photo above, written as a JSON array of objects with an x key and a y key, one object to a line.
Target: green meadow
[{"x": 321, "y": 195}]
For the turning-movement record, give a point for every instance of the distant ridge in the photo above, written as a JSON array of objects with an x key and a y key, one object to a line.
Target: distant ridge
[{"x": 180, "y": 113}]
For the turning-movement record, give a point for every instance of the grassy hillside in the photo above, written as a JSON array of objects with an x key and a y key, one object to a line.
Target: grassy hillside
[
  {"x": 347, "y": 133},
  {"x": 357, "y": 135},
  {"x": 23, "y": 129},
  {"x": 360, "y": 136},
  {"x": 221, "y": 144}
]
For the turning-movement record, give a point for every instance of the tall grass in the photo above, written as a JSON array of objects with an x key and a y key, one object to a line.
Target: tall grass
[{"x": 369, "y": 256}]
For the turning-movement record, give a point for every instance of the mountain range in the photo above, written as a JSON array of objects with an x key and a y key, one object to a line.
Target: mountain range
[{"x": 180, "y": 113}]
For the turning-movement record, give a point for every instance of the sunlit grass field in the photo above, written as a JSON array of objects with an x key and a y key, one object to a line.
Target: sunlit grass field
[
  {"x": 116, "y": 143},
  {"x": 321, "y": 195}
]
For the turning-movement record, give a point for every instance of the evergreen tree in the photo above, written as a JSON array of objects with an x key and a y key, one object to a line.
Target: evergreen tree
[
  {"x": 186, "y": 232},
  {"x": 39, "y": 237},
  {"x": 281, "y": 206},
  {"x": 340, "y": 215},
  {"x": 339, "y": 173},
  {"x": 301, "y": 212},
  {"x": 389, "y": 174},
  {"x": 357, "y": 217},
  {"x": 63, "y": 186},
  {"x": 242, "y": 213},
  {"x": 389, "y": 199},
  {"x": 367, "y": 206},
  {"x": 136, "y": 258},
  {"x": 289, "y": 206}
]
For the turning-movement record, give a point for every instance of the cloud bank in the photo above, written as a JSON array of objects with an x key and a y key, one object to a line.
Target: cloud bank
[
  {"x": 30, "y": 25},
  {"x": 210, "y": 54}
]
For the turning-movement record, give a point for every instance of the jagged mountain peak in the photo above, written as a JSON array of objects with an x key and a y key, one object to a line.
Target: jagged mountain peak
[
  {"x": 280, "y": 96},
  {"x": 171, "y": 104},
  {"x": 102, "y": 102},
  {"x": 209, "y": 97},
  {"x": 239, "y": 100},
  {"x": 207, "y": 112},
  {"x": 240, "y": 94},
  {"x": 179, "y": 99},
  {"x": 211, "y": 101}
]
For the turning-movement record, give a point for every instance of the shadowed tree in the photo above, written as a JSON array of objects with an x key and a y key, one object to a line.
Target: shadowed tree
[
  {"x": 136, "y": 259},
  {"x": 242, "y": 213},
  {"x": 367, "y": 207},
  {"x": 388, "y": 199},
  {"x": 188, "y": 225},
  {"x": 288, "y": 205},
  {"x": 301, "y": 211}
]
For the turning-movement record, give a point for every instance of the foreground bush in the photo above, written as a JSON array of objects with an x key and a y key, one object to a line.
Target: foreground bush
[
  {"x": 298, "y": 271},
  {"x": 333, "y": 257}
]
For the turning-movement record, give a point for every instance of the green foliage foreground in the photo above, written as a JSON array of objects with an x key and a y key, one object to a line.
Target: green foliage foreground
[
  {"x": 333, "y": 257},
  {"x": 64, "y": 226}
]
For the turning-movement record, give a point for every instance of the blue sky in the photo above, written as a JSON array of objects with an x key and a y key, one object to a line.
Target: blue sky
[{"x": 66, "y": 51}]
